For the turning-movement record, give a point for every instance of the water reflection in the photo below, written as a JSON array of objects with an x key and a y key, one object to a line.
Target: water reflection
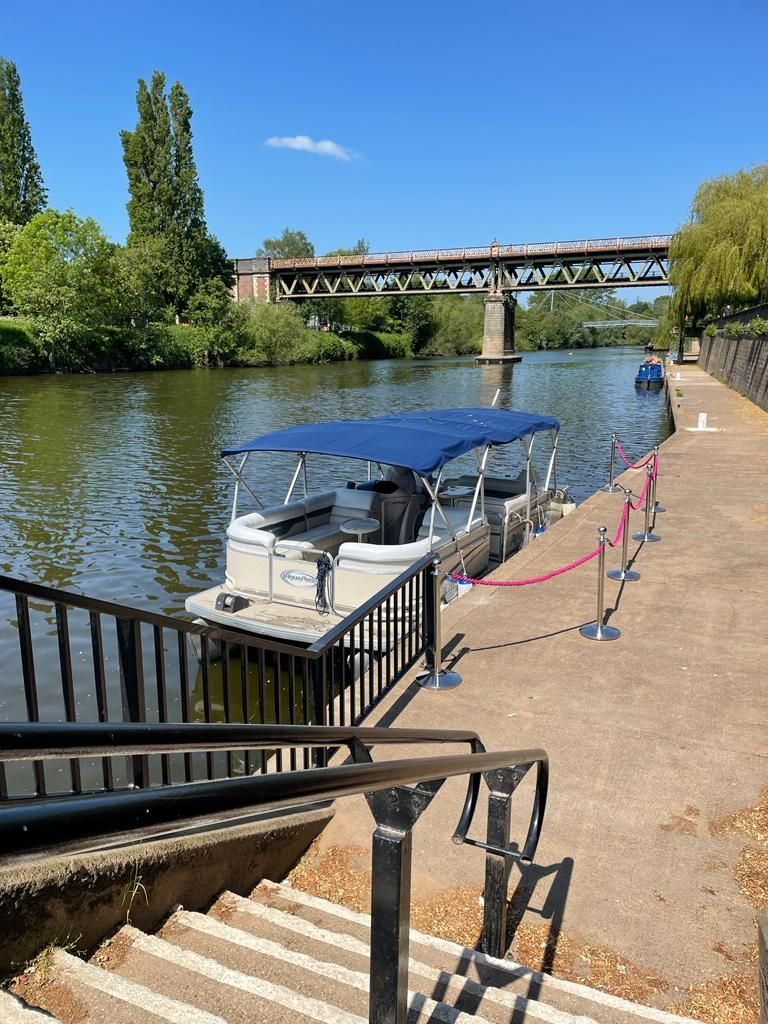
[{"x": 112, "y": 485}]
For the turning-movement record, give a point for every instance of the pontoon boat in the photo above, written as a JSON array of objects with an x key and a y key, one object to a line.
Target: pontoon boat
[{"x": 295, "y": 569}]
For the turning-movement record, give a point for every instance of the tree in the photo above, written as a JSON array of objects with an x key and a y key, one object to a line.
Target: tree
[
  {"x": 22, "y": 192},
  {"x": 291, "y": 245},
  {"x": 720, "y": 257},
  {"x": 8, "y": 232},
  {"x": 60, "y": 272},
  {"x": 360, "y": 248},
  {"x": 166, "y": 200}
]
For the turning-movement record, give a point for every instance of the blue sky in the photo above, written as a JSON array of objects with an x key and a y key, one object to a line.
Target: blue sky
[{"x": 463, "y": 122}]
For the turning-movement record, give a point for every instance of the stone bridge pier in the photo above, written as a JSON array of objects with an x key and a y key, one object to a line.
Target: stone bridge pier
[{"x": 499, "y": 330}]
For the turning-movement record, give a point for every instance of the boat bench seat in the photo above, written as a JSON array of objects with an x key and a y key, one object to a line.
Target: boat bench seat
[
  {"x": 387, "y": 559},
  {"x": 457, "y": 517}
]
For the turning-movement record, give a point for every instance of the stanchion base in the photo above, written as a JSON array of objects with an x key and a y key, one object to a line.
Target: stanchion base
[
  {"x": 646, "y": 538},
  {"x": 596, "y": 631},
  {"x": 623, "y": 575},
  {"x": 657, "y": 508},
  {"x": 439, "y": 680},
  {"x": 610, "y": 488}
]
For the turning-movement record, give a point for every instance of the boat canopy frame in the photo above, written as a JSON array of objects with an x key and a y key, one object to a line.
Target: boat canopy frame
[{"x": 443, "y": 429}]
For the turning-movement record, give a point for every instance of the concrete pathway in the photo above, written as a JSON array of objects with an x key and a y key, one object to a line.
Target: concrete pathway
[{"x": 655, "y": 739}]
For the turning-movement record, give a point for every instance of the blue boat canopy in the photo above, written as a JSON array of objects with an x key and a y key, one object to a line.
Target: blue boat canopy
[{"x": 421, "y": 441}]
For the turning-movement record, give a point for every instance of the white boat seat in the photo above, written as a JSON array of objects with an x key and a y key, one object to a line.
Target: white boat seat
[
  {"x": 383, "y": 558},
  {"x": 319, "y": 538},
  {"x": 457, "y": 517}
]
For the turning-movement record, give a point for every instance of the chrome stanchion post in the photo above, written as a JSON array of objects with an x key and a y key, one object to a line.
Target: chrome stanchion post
[
  {"x": 647, "y": 536},
  {"x": 597, "y": 630},
  {"x": 624, "y": 575},
  {"x": 434, "y": 678},
  {"x": 611, "y": 488},
  {"x": 655, "y": 506}
]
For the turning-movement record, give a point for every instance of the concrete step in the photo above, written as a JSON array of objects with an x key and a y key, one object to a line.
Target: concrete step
[
  {"x": 13, "y": 1011},
  {"x": 502, "y": 976},
  {"x": 334, "y": 951},
  {"x": 76, "y": 992},
  {"x": 279, "y": 984}
]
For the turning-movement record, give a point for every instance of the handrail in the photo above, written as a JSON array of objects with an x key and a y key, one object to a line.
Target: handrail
[
  {"x": 27, "y": 741},
  {"x": 397, "y": 791}
]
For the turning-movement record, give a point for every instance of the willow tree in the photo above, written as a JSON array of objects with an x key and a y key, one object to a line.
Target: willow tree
[
  {"x": 22, "y": 192},
  {"x": 720, "y": 257}
]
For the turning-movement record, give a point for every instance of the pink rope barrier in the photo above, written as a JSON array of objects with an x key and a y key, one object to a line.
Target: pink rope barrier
[
  {"x": 573, "y": 565},
  {"x": 627, "y": 463}
]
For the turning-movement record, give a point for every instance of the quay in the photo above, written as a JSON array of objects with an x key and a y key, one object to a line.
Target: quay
[{"x": 657, "y": 742}]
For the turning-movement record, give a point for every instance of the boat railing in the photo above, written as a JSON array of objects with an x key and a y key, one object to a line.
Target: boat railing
[
  {"x": 398, "y": 791},
  {"x": 81, "y": 659}
]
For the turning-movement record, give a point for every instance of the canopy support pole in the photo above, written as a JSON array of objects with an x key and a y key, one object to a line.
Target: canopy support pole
[
  {"x": 552, "y": 471},
  {"x": 299, "y": 467},
  {"x": 237, "y": 474},
  {"x": 528, "y": 451},
  {"x": 479, "y": 488},
  {"x": 437, "y": 506}
]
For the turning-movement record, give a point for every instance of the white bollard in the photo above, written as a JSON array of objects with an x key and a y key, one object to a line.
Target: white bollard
[{"x": 702, "y": 421}]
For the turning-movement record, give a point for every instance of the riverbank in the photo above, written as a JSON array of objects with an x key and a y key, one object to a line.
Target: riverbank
[{"x": 654, "y": 859}]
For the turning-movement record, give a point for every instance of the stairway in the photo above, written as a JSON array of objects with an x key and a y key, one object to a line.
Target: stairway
[{"x": 284, "y": 956}]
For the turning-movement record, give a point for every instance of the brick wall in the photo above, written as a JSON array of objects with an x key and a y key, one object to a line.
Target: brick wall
[{"x": 741, "y": 363}]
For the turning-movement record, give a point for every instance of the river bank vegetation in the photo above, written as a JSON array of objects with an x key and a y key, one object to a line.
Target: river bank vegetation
[{"x": 73, "y": 300}]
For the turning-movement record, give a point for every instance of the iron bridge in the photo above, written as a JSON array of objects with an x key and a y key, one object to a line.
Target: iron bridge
[{"x": 588, "y": 263}]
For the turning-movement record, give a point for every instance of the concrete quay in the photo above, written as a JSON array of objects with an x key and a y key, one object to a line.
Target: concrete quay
[{"x": 658, "y": 741}]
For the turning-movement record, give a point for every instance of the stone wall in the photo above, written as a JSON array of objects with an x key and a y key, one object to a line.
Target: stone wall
[{"x": 741, "y": 363}]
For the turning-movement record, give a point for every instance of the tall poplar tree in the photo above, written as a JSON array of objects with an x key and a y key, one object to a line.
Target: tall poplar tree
[
  {"x": 166, "y": 202},
  {"x": 22, "y": 192}
]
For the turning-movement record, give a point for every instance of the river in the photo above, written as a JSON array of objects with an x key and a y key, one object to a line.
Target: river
[{"x": 112, "y": 485}]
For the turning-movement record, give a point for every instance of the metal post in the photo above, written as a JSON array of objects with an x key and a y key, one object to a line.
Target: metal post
[
  {"x": 611, "y": 487},
  {"x": 132, "y": 689},
  {"x": 395, "y": 811},
  {"x": 497, "y": 868},
  {"x": 655, "y": 506},
  {"x": 624, "y": 575},
  {"x": 647, "y": 536},
  {"x": 434, "y": 678},
  {"x": 597, "y": 630}
]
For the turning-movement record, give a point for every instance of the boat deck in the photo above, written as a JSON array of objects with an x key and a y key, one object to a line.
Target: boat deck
[{"x": 278, "y": 620}]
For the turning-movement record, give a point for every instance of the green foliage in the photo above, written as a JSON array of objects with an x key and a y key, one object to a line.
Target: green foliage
[
  {"x": 274, "y": 333},
  {"x": 8, "y": 232},
  {"x": 166, "y": 201},
  {"x": 457, "y": 325},
  {"x": 710, "y": 330},
  {"x": 556, "y": 320},
  {"x": 721, "y": 256},
  {"x": 222, "y": 324},
  {"x": 736, "y": 330},
  {"x": 379, "y": 345},
  {"x": 324, "y": 347},
  {"x": 358, "y": 249},
  {"x": 22, "y": 192},
  {"x": 291, "y": 245},
  {"x": 19, "y": 350},
  {"x": 759, "y": 327},
  {"x": 60, "y": 272}
]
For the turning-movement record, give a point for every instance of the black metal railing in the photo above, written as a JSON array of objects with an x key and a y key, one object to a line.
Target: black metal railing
[
  {"x": 85, "y": 659},
  {"x": 397, "y": 791}
]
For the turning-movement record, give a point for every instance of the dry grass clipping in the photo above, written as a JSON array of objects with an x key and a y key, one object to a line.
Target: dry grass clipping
[
  {"x": 731, "y": 999},
  {"x": 752, "y": 822}
]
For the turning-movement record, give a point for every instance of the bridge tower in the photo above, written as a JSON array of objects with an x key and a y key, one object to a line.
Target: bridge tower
[{"x": 499, "y": 329}]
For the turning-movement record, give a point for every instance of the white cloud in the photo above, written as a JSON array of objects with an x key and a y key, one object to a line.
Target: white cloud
[{"x": 322, "y": 147}]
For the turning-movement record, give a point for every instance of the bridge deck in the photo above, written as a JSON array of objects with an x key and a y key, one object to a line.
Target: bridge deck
[{"x": 655, "y": 739}]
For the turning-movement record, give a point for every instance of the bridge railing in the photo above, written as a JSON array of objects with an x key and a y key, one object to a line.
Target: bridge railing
[{"x": 653, "y": 243}]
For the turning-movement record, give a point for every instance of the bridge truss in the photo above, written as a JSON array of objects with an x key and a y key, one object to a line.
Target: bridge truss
[{"x": 591, "y": 263}]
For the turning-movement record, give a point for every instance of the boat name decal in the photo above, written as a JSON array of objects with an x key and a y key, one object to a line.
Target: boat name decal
[{"x": 296, "y": 578}]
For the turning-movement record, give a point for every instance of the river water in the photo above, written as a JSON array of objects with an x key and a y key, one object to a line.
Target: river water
[{"x": 112, "y": 485}]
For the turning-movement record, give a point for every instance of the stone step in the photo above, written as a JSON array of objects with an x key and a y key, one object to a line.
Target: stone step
[
  {"x": 76, "y": 992},
  {"x": 275, "y": 932},
  {"x": 278, "y": 990},
  {"x": 261, "y": 958},
  {"x": 13, "y": 1011},
  {"x": 571, "y": 997}
]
